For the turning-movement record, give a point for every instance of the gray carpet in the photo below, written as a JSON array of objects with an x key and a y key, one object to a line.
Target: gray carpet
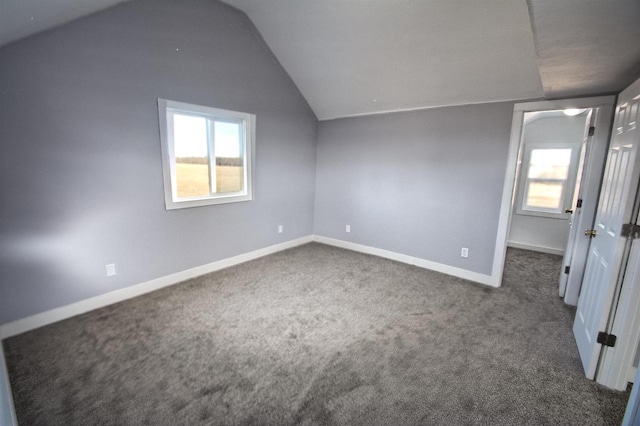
[{"x": 318, "y": 335}]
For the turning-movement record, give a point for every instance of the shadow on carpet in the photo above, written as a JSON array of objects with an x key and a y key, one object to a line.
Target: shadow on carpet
[{"x": 318, "y": 335}]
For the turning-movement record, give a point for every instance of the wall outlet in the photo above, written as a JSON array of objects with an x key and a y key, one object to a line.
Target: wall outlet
[
  {"x": 464, "y": 252},
  {"x": 111, "y": 269},
  {"x": 280, "y": 229},
  {"x": 347, "y": 228}
]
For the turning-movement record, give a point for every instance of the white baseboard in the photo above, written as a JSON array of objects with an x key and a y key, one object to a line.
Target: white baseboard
[
  {"x": 541, "y": 249},
  {"x": 422, "y": 263},
  {"x": 54, "y": 315},
  {"x": 7, "y": 411},
  {"x": 58, "y": 314}
]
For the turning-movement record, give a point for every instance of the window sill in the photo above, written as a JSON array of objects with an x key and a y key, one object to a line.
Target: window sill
[
  {"x": 547, "y": 215},
  {"x": 199, "y": 202}
]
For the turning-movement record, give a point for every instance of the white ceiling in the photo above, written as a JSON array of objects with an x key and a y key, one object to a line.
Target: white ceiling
[
  {"x": 355, "y": 57},
  {"x": 359, "y": 57}
]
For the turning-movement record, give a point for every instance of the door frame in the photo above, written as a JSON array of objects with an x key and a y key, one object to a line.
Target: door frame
[{"x": 603, "y": 132}]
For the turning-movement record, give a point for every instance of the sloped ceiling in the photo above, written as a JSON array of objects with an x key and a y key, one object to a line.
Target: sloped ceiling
[
  {"x": 355, "y": 57},
  {"x": 586, "y": 47},
  {"x": 360, "y": 57}
]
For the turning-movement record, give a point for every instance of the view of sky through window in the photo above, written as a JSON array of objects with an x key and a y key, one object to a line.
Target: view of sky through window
[{"x": 190, "y": 136}]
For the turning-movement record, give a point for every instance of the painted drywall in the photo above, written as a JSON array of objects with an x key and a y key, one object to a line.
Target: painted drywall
[
  {"x": 422, "y": 183},
  {"x": 544, "y": 233},
  {"x": 81, "y": 167},
  {"x": 539, "y": 233},
  {"x": 20, "y": 18},
  {"x": 7, "y": 414}
]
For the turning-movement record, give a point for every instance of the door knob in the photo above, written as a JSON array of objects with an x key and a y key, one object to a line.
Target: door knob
[
  {"x": 590, "y": 232},
  {"x": 568, "y": 211}
]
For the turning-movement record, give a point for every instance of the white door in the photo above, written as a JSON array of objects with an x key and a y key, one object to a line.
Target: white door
[
  {"x": 607, "y": 249},
  {"x": 583, "y": 217},
  {"x": 568, "y": 251},
  {"x": 575, "y": 211},
  {"x": 574, "y": 232}
]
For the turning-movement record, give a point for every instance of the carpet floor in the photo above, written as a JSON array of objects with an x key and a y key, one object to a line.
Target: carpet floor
[{"x": 318, "y": 335}]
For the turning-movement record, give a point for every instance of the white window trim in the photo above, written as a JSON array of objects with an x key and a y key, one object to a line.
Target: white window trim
[
  {"x": 567, "y": 195},
  {"x": 172, "y": 202}
]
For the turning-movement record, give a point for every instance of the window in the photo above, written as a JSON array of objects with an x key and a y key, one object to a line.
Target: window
[
  {"x": 548, "y": 178},
  {"x": 206, "y": 154}
]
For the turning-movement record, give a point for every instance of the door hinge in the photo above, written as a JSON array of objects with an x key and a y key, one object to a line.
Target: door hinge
[
  {"x": 630, "y": 230},
  {"x": 606, "y": 339},
  {"x": 567, "y": 269},
  {"x": 592, "y": 131},
  {"x": 579, "y": 203}
]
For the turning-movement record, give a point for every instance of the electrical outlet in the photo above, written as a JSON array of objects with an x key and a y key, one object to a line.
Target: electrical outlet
[
  {"x": 464, "y": 252},
  {"x": 348, "y": 228},
  {"x": 280, "y": 229},
  {"x": 111, "y": 269}
]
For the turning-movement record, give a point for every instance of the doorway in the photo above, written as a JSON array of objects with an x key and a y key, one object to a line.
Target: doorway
[
  {"x": 598, "y": 111},
  {"x": 551, "y": 157}
]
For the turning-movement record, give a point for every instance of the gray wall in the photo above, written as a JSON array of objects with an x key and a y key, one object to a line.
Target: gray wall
[
  {"x": 423, "y": 183},
  {"x": 6, "y": 408},
  {"x": 80, "y": 166},
  {"x": 544, "y": 232},
  {"x": 539, "y": 233}
]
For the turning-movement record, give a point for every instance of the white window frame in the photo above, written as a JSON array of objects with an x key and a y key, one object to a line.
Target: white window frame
[
  {"x": 166, "y": 108},
  {"x": 567, "y": 190}
]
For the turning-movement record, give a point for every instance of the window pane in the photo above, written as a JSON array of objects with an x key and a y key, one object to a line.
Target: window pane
[
  {"x": 192, "y": 156},
  {"x": 549, "y": 163},
  {"x": 544, "y": 195},
  {"x": 229, "y": 157}
]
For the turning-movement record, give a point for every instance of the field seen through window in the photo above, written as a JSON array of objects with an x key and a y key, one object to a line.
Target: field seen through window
[
  {"x": 548, "y": 173},
  {"x": 193, "y": 179},
  {"x": 546, "y": 195}
]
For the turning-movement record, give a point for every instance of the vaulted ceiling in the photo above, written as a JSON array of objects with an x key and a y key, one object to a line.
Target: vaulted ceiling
[
  {"x": 358, "y": 57},
  {"x": 355, "y": 57},
  {"x": 586, "y": 47}
]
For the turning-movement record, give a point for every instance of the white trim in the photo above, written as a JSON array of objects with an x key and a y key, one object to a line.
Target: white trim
[
  {"x": 579, "y": 103},
  {"x": 631, "y": 377},
  {"x": 504, "y": 221},
  {"x": 248, "y": 130},
  {"x": 529, "y": 106},
  {"x": 399, "y": 257},
  {"x": 58, "y": 314},
  {"x": 421, "y": 108},
  {"x": 54, "y": 315},
  {"x": 541, "y": 249},
  {"x": 7, "y": 410}
]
